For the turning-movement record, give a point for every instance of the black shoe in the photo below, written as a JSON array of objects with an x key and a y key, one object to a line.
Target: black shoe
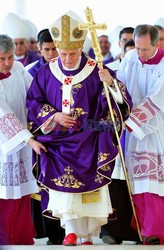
[
  {"x": 111, "y": 240},
  {"x": 50, "y": 242},
  {"x": 138, "y": 242},
  {"x": 151, "y": 241}
]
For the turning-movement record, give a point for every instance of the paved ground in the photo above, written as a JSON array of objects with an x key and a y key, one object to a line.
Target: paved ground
[{"x": 40, "y": 244}]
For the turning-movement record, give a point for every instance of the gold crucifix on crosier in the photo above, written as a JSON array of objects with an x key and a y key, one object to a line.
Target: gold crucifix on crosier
[{"x": 92, "y": 27}]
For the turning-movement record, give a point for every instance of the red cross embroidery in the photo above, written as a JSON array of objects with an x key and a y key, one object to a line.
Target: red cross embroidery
[
  {"x": 54, "y": 59},
  {"x": 65, "y": 103},
  {"x": 68, "y": 80},
  {"x": 91, "y": 63}
]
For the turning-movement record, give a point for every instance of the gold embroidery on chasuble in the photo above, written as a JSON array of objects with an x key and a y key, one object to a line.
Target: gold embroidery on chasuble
[
  {"x": 45, "y": 110},
  {"x": 67, "y": 179},
  {"x": 109, "y": 119},
  {"x": 122, "y": 89},
  {"x": 29, "y": 125},
  {"x": 102, "y": 157},
  {"x": 106, "y": 167},
  {"x": 77, "y": 112},
  {"x": 99, "y": 178}
]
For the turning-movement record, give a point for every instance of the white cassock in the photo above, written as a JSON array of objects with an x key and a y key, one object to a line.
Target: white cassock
[
  {"x": 144, "y": 149},
  {"x": 16, "y": 178}
]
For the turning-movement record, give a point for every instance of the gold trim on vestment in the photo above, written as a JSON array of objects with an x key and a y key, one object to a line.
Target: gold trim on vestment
[
  {"x": 45, "y": 110},
  {"x": 36, "y": 197},
  {"x": 93, "y": 197}
]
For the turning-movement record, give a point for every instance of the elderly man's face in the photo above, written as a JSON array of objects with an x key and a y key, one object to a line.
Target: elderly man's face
[
  {"x": 69, "y": 58},
  {"x": 6, "y": 61},
  {"x": 21, "y": 46}
]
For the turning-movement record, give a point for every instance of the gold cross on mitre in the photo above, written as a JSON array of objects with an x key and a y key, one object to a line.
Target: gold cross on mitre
[{"x": 92, "y": 27}]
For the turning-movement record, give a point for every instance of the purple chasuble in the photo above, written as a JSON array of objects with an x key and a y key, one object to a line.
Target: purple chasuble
[
  {"x": 37, "y": 66},
  {"x": 80, "y": 159},
  {"x": 29, "y": 58}
]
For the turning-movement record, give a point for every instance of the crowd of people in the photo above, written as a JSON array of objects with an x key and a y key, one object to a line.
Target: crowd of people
[{"x": 61, "y": 175}]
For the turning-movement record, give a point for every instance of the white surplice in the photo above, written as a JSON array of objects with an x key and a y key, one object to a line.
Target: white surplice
[
  {"x": 144, "y": 149},
  {"x": 16, "y": 178}
]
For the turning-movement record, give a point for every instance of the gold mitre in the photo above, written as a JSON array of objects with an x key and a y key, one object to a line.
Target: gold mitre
[{"x": 65, "y": 32}]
